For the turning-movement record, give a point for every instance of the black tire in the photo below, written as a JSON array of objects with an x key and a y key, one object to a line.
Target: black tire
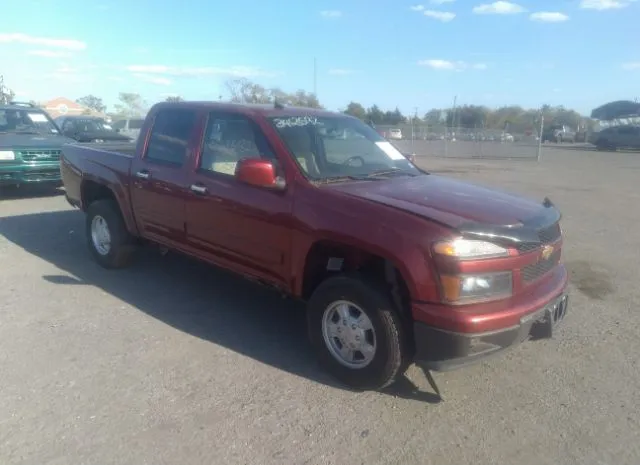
[
  {"x": 122, "y": 244},
  {"x": 391, "y": 357}
]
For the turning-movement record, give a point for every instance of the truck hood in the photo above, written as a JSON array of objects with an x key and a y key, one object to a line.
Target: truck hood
[
  {"x": 449, "y": 201},
  {"x": 11, "y": 141}
]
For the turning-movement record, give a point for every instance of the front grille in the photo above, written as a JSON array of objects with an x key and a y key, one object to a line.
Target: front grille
[
  {"x": 39, "y": 155},
  {"x": 546, "y": 235},
  {"x": 536, "y": 270},
  {"x": 550, "y": 234}
]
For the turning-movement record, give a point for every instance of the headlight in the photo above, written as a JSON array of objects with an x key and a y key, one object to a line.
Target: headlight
[
  {"x": 7, "y": 155},
  {"x": 467, "y": 288},
  {"x": 468, "y": 249}
]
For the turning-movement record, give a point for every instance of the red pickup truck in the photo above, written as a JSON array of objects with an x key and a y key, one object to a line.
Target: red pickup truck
[{"x": 396, "y": 264}]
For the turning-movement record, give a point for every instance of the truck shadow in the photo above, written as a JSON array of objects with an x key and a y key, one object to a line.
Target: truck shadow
[
  {"x": 193, "y": 297},
  {"x": 29, "y": 192}
]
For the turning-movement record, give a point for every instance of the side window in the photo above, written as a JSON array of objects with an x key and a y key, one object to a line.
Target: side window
[
  {"x": 229, "y": 138},
  {"x": 119, "y": 124},
  {"x": 67, "y": 126},
  {"x": 137, "y": 123},
  {"x": 170, "y": 136}
]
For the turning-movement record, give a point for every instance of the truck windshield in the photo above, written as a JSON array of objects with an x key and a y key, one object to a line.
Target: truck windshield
[
  {"x": 26, "y": 121},
  {"x": 338, "y": 147},
  {"x": 93, "y": 125}
]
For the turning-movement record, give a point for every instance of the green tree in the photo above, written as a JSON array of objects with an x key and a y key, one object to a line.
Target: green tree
[
  {"x": 174, "y": 98},
  {"x": 243, "y": 90},
  {"x": 357, "y": 110},
  {"x": 375, "y": 115},
  {"x": 92, "y": 102}
]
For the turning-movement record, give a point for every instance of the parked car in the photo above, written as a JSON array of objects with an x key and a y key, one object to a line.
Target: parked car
[
  {"x": 395, "y": 134},
  {"x": 88, "y": 129},
  {"x": 559, "y": 133},
  {"x": 128, "y": 127},
  {"x": 395, "y": 264},
  {"x": 30, "y": 146},
  {"x": 617, "y": 137}
]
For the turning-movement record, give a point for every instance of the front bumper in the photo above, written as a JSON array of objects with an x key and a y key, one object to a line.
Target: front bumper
[
  {"x": 30, "y": 174},
  {"x": 442, "y": 350}
]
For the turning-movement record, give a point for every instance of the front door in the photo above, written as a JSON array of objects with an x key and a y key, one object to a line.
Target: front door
[
  {"x": 159, "y": 186},
  {"x": 243, "y": 226}
]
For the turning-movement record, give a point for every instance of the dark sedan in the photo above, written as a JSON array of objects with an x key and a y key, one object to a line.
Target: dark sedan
[{"x": 88, "y": 129}]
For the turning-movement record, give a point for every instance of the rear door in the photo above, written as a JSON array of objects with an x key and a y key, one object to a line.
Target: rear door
[
  {"x": 159, "y": 186},
  {"x": 244, "y": 227}
]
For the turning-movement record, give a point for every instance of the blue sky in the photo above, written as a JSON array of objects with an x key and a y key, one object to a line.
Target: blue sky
[{"x": 580, "y": 53}]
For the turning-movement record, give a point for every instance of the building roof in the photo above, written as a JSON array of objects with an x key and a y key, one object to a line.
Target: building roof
[
  {"x": 62, "y": 106},
  {"x": 617, "y": 109}
]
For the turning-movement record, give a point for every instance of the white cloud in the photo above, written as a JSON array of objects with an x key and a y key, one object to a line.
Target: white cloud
[
  {"x": 499, "y": 8},
  {"x": 237, "y": 71},
  {"x": 549, "y": 17},
  {"x": 632, "y": 65},
  {"x": 331, "y": 13},
  {"x": 340, "y": 71},
  {"x": 605, "y": 4},
  {"x": 18, "y": 38},
  {"x": 444, "y": 16},
  {"x": 446, "y": 65},
  {"x": 151, "y": 79},
  {"x": 417, "y": 7},
  {"x": 48, "y": 53},
  {"x": 68, "y": 75},
  {"x": 441, "y": 2}
]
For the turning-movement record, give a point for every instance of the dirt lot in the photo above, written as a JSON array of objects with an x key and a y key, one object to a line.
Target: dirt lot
[{"x": 172, "y": 362}]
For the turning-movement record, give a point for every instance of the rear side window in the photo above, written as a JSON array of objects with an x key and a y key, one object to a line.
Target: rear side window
[{"x": 170, "y": 136}]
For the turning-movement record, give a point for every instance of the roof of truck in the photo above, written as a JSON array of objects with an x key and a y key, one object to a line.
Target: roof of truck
[{"x": 264, "y": 109}]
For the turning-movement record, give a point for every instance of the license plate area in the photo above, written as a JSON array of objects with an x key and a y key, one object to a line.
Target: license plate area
[{"x": 554, "y": 313}]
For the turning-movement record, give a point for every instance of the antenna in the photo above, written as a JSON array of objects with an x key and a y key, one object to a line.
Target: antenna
[{"x": 315, "y": 77}]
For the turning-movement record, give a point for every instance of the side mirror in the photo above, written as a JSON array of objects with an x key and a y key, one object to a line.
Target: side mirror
[{"x": 259, "y": 173}]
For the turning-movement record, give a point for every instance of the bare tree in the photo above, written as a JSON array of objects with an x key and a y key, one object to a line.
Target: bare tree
[
  {"x": 92, "y": 102},
  {"x": 131, "y": 105},
  {"x": 6, "y": 94}
]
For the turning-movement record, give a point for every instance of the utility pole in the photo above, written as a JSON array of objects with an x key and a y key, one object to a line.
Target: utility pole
[
  {"x": 453, "y": 119},
  {"x": 315, "y": 77},
  {"x": 413, "y": 122}
]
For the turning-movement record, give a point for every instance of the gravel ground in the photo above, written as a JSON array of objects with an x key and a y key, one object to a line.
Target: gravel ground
[{"x": 173, "y": 362}]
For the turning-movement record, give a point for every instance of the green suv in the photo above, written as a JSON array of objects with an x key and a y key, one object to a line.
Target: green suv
[{"x": 30, "y": 146}]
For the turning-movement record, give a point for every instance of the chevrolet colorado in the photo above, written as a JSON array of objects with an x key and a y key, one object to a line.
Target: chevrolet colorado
[{"x": 396, "y": 265}]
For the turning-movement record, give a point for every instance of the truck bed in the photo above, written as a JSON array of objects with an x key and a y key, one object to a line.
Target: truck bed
[
  {"x": 122, "y": 148},
  {"x": 108, "y": 164}
]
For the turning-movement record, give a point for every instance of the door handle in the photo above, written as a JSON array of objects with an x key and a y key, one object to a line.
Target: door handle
[
  {"x": 198, "y": 189},
  {"x": 144, "y": 174}
]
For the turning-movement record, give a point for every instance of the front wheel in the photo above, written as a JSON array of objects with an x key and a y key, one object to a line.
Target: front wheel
[
  {"x": 356, "y": 333},
  {"x": 107, "y": 237}
]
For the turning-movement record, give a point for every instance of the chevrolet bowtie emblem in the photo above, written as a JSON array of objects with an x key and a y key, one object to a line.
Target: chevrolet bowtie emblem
[{"x": 547, "y": 250}]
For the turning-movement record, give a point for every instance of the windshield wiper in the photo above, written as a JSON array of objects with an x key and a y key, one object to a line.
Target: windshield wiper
[
  {"x": 388, "y": 172},
  {"x": 331, "y": 179}
]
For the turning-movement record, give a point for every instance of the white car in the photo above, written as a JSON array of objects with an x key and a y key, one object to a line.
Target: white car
[{"x": 395, "y": 134}]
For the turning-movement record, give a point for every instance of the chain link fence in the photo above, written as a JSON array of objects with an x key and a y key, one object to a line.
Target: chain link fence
[{"x": 456, "y": 142}]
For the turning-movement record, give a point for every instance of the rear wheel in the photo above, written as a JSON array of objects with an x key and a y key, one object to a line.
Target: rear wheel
[
  {"x": 356, "y": 333},
  {"x": 107, "y": 237}
]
